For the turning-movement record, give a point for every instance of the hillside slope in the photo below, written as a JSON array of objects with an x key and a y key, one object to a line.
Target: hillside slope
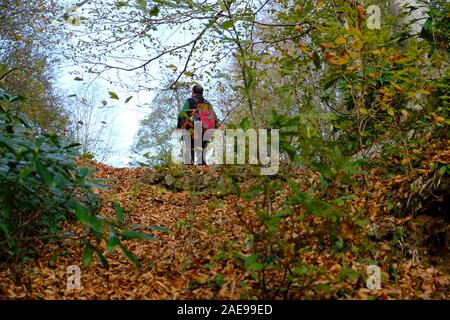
[{"x": 203, "y": 238}]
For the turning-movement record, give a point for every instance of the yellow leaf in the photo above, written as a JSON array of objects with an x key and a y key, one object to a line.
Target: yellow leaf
[
  {"x": 319, "y": 4},
  {"x": 397, "y": 87},
  {"x": 324, "y": 45},
  {"x": 353, "y": 55},
  {"x": 404, "y": 112},
  {"x": 405, "y": 161},
  {"x": 339, "y": 61},
  {"x": 340, "y": 40},
  {"x": 303, "y": 48},
  {"x": 351, "y": 68},
  {"x": 376, "y": 51},
  {"x": 354, "y": 31},
  {"x": 391, "y": 112},
  {"x": 358, "y": 45},
  {"x": 423, "y": 91},
  {"x": 363, "y": 110},
  {"x": 439, "y": 119}
]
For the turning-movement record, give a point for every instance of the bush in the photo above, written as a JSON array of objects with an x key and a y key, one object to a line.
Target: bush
[
  {"x": 39, "y": 182},
  {"x": 42, "y": 186}
]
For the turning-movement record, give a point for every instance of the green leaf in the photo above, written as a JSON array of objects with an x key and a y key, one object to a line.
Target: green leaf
[
  {"x": 227, "y": 24},
  {"x": 155, "y": 11},
  {"x": 78, "y": 79},
  {"x": 113, "y": 95},
  {"x": 45, "y": 175},
  {"x": 130, "y": 256},
  {"x": 390, "y": 206},
  {"x": 442, "y": 170},
  {"x": 102, "y": 258},
  {"x": 257, "y": 266},
  {"x": 104, "y": 102},
  {"x": 427, "y": 26},
  {"x": 112, "y": 242},
  {"x": 353, "y": 276},
  {"x": 391, "y": 112},
  {"x": 142, "y": 5},
  {"x": 330, "y": 83},
  {"x": 188, "y": 74},
  {"x": 119, "y": 212},
  {"x": 219, "y": 280},
  {"x": 84, "y": 217},
  {"x": 128, "y": 99},
  {"x": 72, "y": 145},
  {"x": 129, "y": 234},
  {"x": 83, "y": 172},
  {"x": 159, "y": 229},
  {"x": 87, "y": 256},
  {"x": 121, "y": 4}
]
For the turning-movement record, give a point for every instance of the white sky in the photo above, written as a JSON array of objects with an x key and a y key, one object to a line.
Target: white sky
[{"x": 123, "y": 117}]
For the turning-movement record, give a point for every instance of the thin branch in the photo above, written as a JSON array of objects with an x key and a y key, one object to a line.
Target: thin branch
[
  {"x": 8, "y": 72},
  {"x": 280, "y": 25},
  {"x": 166, "y": 51},
  {"x": 193, "y": 47}
]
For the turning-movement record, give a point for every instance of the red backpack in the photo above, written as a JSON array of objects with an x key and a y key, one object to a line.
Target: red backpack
[{"x": 204, "y": 113}]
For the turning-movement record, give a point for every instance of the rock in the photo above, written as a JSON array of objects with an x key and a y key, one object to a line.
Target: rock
[
  {"x": 153, "y": 177},
  {"x": 169, "y": 180}
]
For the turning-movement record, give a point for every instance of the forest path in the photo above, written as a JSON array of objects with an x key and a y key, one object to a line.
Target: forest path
[{"x": 194, "y": 259}]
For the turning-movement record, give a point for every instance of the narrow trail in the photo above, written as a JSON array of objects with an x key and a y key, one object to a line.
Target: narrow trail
[{"x": 194, "y": 259}]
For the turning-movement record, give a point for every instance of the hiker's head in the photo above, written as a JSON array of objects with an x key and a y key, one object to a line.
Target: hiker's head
[{"x": 197, "y": 90}]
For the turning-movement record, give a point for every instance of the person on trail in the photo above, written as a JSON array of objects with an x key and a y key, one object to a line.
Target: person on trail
[{"x": 197, "y": 116}]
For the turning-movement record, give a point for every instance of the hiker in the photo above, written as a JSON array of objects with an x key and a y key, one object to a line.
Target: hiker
[{"x": 197, "y": 109}]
